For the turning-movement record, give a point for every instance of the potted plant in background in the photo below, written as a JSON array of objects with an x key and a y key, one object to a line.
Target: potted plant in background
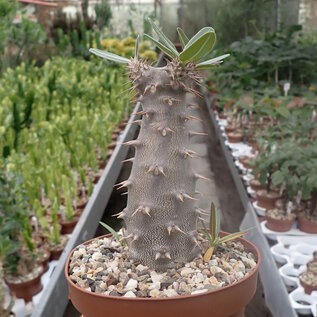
[
  {"x": 159, "y": 269},
  {"x": 21, "y": 271}
]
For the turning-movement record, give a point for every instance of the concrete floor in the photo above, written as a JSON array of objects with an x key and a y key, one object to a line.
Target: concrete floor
[{"x": 219, "y": 189}]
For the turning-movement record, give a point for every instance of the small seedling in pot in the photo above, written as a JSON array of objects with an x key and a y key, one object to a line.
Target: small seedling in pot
[{"x": 212, "y": 235}]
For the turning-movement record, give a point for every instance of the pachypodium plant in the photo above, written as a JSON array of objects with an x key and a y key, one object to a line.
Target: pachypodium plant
[{"x": 160, "y": 220}]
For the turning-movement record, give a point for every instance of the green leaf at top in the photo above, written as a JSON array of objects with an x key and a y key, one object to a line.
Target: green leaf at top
[
  {"x": 162, "y": 47},
  {"x": 110, "y": 56},
  {"x": 211, "y": 62},
  {"x": 199, "y": 45},
  {"x": 182, "y": 37},
  {"x": 163, "y": 39}
]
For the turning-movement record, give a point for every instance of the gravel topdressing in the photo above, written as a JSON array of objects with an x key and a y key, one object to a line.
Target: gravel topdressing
[{"x": 103, "y": 267}]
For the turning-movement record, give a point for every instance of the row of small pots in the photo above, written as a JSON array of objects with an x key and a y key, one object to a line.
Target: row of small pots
[{"x": 29, "y": 288}]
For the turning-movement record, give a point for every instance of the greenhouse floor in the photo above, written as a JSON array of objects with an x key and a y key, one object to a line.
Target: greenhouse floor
[{"x": 220, "y": 189}]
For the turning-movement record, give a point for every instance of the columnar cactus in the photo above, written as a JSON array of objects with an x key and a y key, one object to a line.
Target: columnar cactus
[{"x": 160, "y": 220}]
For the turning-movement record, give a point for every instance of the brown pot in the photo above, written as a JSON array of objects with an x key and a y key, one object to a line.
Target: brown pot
[
  {"x": 307, "y": 287},
  {"x": 266, "y": 200},
  {"x": 56, "y": 253},
  {"x": 44, "y": 262},
  {"x": 26, "y": 290},
  {"x": 68, "y": 226},
  {"x": 235, "y": 137},
  {"x": 306, "y": 225},
  {"x": 255, "y": 184},
  {"x": 228, "y": 301},
  {"x": 245, "y": 161},
  {"x": 279, "y": 225},
  {"x": 230, "y": 128}
]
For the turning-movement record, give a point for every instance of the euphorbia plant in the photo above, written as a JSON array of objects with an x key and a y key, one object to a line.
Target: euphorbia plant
[{"x": 160, "y": 220}]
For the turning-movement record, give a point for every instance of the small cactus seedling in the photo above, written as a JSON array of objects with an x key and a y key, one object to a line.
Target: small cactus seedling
[
  {"x": 160, "y": 220},
  {"x": 212, "y": 234}
]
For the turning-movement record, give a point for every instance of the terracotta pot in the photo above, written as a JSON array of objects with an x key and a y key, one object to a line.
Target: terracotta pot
[
  {"x": 245, "y": 161},
  {"x": 235, "y": 137},
  {"x": 266, "y": 200},
  {"x": 68, "y": 226},
  {"x": 255, "y": 184},
  {"x": 229, "y": 128},
  {"x": 112, "y": 145},
  {"x": 222, "y": 115},
  {"x": 306, "y": 225},
  {"x": 26, "y": 290},
  {"x": 279, "y": 225},
  {"x": 307, "y": 287},
  {"x": 228, "y": 301}
]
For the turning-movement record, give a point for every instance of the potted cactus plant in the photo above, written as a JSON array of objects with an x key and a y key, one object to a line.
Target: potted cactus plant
[{"x": 160, "y": 264}]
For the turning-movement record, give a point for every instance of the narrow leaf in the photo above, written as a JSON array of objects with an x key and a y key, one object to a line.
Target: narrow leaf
[
  {"x": 182, "y": 37},
  {"x": 199, "y": 45},
  {"x": 211, "y": 62},
  {"x": 111, "y": 230},
  {"x": 109, "y": 56},
  {"x": 208, "y": 254},
  {"x": 214, "y": 223},
  {"x": 162, "y": 47},
  {"x": 163, "y": 38},
  {"x": 232, "y": 236},
  {"x": 136, "y": 51}
]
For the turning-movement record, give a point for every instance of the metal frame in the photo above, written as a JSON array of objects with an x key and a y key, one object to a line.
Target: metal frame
[
  {"x": 54, "y": 299},
  {"x": 276, "y": 296}
]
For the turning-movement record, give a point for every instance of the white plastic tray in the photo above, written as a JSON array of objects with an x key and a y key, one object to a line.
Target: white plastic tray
[
  {"x": 293, "y": 232},
  {"x": 259, "y": 210}
]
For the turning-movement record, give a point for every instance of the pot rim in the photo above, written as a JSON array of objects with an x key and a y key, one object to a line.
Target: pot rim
[{"x": 245, "y": 242}]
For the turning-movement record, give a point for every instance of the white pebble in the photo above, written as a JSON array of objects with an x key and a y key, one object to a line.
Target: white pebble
[
  {"x": 170, "y": 292},
  {"x": 199, "y": 291},
  {"x": 131, "y": 285},
  {"x": 96, "y": 256},
  {"x": 129, "y": 294}
]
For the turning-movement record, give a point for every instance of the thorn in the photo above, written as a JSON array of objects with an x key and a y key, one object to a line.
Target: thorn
[
  {"x": 157, "y": 256},
  {"x": 170, "y": 101},
  {"x": 203, "y": 220},
  {"x": 193, "y": 133},
  {"x": 123, "y": 184},
  {"x": 168, "y": 255},
  {"x": 177, "y": 228},
  {"x": 193, "y": 106},
  {"x": 141, "y": 113},
  {"x": 169, "y": 230},
  {"x": 198, "y": 176},
  {"x": 128, "y": 160},
  {"x": 137, "y": 121},
  {"x": 198, "y": 193},
  {"x": 128, "y": 236},
  {"x": 132, "y": 142},
  {"x": 180, "y": 197},
  {"x": 202, "y": 212},
  {"x": 144, "y": 210},
  {"x": 189, "y": 197},
  {"x": 157, "y": 170},
  {"x": 196, "y": 242},
  {"x": 135, "y": 237},
  {"x": 188, "y": 153},
  {"x": 189, "y": 117},
  {"x": 164, "y": 130},
  {"x": 120, "y": 214},
  {"x": 147, "y": 211},
  {"x": 126, "y": 193}
]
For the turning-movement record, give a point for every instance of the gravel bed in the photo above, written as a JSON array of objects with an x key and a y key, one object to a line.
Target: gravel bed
[{"x": 103, "y": 267}]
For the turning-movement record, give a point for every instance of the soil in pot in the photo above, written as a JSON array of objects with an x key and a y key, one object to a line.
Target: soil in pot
[
  {"x": 101, "y": 271},
  {"x": 309, "y": 281},
  {"x": 57, "y": 249},
  {"x": 69, "y": 225},
  {"x": 307, "y": 222},
  {"x": 267, "y": 199},
  {"x": 278, "y": 220},
  {"x": 235, "y": 137},
  {"x": 26, "y": 286}
]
